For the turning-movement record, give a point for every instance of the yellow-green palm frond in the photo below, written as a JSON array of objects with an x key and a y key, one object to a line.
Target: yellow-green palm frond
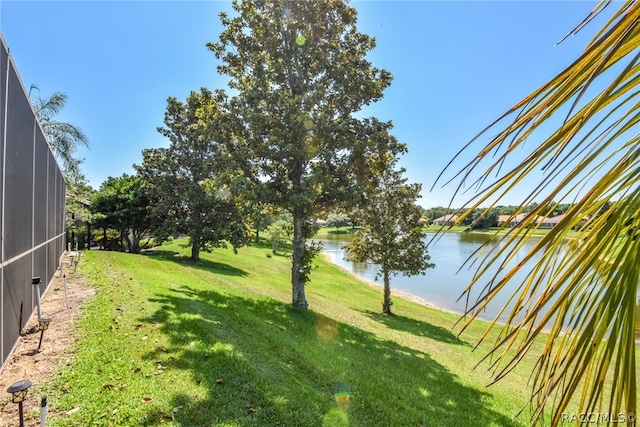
[{"x": 582, "y": 277}]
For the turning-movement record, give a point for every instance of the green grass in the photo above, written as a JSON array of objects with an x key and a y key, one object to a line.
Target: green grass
[
  {"x": 216, "y": 343},
  {"x": 536, "y": 232},
  {"x": 333, "y": 231},
  {"x": 454, "y": 228},
  {"x": 489, "y": 231}
]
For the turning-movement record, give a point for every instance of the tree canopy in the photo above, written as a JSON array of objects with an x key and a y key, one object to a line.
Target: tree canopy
[
  {"x": 391, "y": 235},
  {"x": 189, "y": 179},
  {"x": 124, "y": 204},
  {"x": 299, "y": 72},
  {"x": 338, "y": 220}
]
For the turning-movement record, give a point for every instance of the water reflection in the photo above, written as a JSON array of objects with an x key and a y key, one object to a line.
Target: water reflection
[
  {"x": 440, "y": 286},
  {"x": 443, "y": 285}
]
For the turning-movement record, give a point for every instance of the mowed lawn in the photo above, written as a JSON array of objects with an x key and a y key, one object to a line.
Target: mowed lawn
[{"x": 166, "y": 341}]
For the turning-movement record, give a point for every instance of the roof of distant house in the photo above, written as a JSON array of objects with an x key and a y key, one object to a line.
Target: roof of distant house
[
  {"x": 554, "y": 220},
  {"x": 450, "y": 217}
]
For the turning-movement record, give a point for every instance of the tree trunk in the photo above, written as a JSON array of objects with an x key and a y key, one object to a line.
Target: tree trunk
[
  {"x": 195, "y": 249},
  {"x": 135, "y": 242},
  {"x": 298, "y": 299},
  {"x": 127, "y": 240},
  {"x": 386, "y": 304},
  {"x": 256, "y": 224}
]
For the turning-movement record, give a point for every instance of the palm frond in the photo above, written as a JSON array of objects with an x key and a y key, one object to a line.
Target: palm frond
[
  {"x": 63, "y": 138},
  {"x": 582, "y": 277},
  {"x": 47, "y": 108}
]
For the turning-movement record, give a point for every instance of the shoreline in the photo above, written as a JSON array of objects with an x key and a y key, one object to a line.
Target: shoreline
[
  {"x": 328, "y": 256},
  {"x": 412, "y": 298},
  {"x": 404, "y": 295}
]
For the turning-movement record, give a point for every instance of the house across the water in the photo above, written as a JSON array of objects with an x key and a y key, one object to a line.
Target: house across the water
[
  {"x": 445, "y": 220},
  {"x": 515, "y": 220}
]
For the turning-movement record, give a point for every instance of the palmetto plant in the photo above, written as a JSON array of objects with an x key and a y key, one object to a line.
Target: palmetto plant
[
  {"x": 63, "y": 138},
  {"x": 584, "y": 286}
]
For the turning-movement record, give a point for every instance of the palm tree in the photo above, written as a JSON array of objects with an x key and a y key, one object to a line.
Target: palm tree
[
  {"x": 62, "y": 137},
  {"x": 584, "y": 286}
]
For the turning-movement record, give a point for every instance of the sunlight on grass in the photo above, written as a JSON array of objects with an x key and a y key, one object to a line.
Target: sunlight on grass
[
  {"x": 227, "y": 349},
  {"x": 336, "y": 417},
  {"x": 424, "y": 392}
]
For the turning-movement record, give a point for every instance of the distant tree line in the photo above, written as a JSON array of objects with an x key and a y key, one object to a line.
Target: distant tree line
[{"x": 481, "y": 218}]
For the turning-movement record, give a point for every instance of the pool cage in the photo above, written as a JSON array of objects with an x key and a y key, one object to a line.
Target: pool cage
[{"x": 32, "y": 206}]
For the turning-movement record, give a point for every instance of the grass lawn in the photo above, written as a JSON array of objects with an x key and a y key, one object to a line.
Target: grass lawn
[
  {"x": 216, "y": 343},
  {"x": 488, "y": 231},
  {"x": 536, "y": 232},
  {"x": 435, "y": 228},
  {"x": 333, "y": 231}
]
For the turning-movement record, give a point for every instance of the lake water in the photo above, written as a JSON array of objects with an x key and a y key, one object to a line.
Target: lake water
[
  {"x": 440, "y": 286},
  {"x": 444, "y": 284}
]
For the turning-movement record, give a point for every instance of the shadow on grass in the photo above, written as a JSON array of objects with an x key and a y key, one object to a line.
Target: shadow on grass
[
  {"x": 416, "y": 327},
  {"x": 284, "y": 250},
  {"x": 202, "y": 264},
  {"x": 258, "y": 362}
]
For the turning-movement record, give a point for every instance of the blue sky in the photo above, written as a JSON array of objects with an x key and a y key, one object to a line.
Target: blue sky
[{"x": 456, "y": 66}]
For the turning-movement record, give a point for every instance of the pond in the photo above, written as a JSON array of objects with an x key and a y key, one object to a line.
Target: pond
[{"x": 442, "y": 285}]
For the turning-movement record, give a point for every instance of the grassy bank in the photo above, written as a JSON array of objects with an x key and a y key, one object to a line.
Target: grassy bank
[
  {"x": 324, "y": 232},
  {"x": 333, "y": 231},
  {"x": 216, "y": 343}
]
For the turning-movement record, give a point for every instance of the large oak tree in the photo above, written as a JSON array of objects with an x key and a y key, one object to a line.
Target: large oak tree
[
  {"x": 298, "y": 72},
  {"x": 189, "y": 179}
]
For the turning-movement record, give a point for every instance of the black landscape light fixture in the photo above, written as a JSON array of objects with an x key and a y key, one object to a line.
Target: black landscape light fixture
[
  {"x": 18, "y": 392},
  {"x": 35, "y": 281},
  {"x": 43, "y": 325},
  {"x": 43, "y": 322}
]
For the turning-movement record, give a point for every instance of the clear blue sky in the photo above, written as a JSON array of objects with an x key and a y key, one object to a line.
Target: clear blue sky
[{"x": 456, "y": 67}]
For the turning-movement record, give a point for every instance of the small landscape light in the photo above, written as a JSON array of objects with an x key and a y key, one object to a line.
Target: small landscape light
[
  {"x": 43, "y": 325},
  {"x": 18, "y": 392},
  {"x": 43, "y": 411},
  {"x": 35, "y": 281}
]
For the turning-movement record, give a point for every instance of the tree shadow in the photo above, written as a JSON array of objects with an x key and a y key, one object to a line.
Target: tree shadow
[
  {"x": 260, "y": 362},
  {"x": 202, "y": 264},
  {"x": 283, "y": 250},
  {"x": 416, "y": 327}
]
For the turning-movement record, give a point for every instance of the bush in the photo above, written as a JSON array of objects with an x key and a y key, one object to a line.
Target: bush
[{"x": 279, "y": 233}]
